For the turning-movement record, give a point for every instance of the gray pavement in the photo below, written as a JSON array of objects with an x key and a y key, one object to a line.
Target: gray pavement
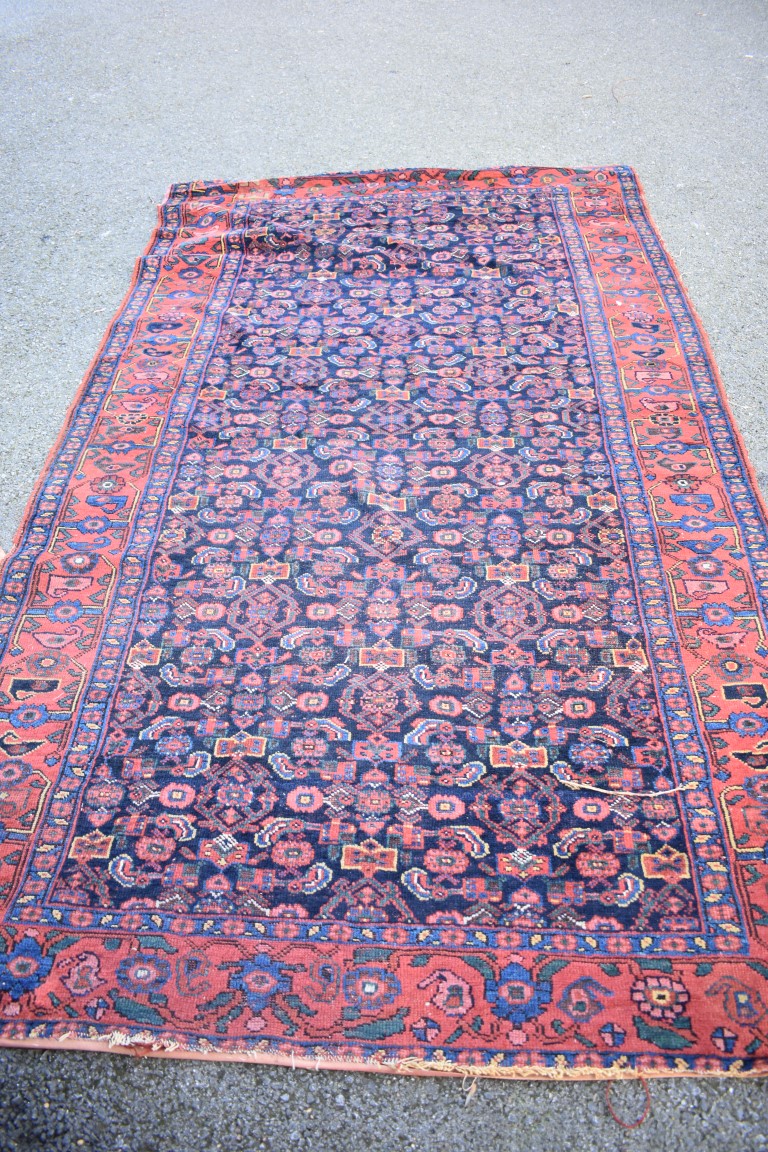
[{"x": 102, "y": 105}]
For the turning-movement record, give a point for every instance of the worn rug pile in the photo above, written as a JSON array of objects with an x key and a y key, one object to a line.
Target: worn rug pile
[{"x": 384, "y": 649}]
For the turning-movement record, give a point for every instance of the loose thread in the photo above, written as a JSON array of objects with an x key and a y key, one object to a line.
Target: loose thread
[
  {"x": 646, "y": 1110},
  {"x": 469, "y": 1092},
  {"x": 575, "y": 787}
]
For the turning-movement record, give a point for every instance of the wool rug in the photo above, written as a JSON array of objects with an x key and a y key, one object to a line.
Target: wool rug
[{"x": 384, "y": 649}]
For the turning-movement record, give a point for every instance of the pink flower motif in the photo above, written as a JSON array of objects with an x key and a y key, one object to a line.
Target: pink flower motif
[
  {"x": 591, "y": 808},
  {"x": 445, "y": 806},
  {"x": 660, "y": 997},
  {"x": 453, "y": 995},
  {"x": 82, "y": 974}
]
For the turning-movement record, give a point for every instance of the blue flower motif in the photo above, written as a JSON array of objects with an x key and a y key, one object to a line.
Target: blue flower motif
[
  {"x": 93, "y": 524},
  {"x": 748, "y": 724},
  {"x": 706, "y": 566},
  {"x": 29, "y": 716},
  {"x": 65, "y": 611},
  {"x": 370, "y": 987},
  {"x": 143, "y": 972},
  {"x": 717, "y": 615},
  {"x": 260, "y": 979},
  {"x": 516, "y": 995},
  {"x": 80, "y": 561},
  {"x": 23, "y": 968},
  {"x": 672, "y": 448}
]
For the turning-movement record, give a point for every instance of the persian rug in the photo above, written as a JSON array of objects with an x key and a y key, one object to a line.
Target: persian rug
[{"x": 384, "y": 649}]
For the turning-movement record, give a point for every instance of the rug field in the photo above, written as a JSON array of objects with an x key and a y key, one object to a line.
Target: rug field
[{"x": 383, "y": 657}]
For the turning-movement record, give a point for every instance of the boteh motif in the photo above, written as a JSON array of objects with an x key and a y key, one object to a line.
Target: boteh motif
[{"x": 385, "y": 657}]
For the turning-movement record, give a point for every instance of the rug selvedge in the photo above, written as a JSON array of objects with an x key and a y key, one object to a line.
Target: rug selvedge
[{"x": 384, "y": 649}]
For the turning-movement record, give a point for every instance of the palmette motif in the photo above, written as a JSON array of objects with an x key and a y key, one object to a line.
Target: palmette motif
[{"x": 384, "y": 670}]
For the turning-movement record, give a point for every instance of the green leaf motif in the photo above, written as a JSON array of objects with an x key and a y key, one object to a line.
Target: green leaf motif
[
  {"x": 366, "y": 955},
  {"x": 224, "y": 1021},
  {"x": 658, "y": 964},
  {"x": 611, "y": 969},
  {"x": 133, "y": 1010},
  {"x": 295, "y": 1002},
  {"x": 582, "y": 1039},
  {"x": 379, "y": 1029},
  {"x": 549, "y": 970},
  {"x": 419, "y": 960},
  {"x": 704, "y": 968},
  {"x": 59, "y": 945},
  {"x": 290, "y": 1028},
  {"x": 219, "y": 1001},
  {"x": 158, "y": 942},
  {"x": 661, "y": 1037},
  {"x": 481, "y": 965}
]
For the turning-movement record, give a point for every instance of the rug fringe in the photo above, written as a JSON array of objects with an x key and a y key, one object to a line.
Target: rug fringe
[{"x": 147, "y": 1044}]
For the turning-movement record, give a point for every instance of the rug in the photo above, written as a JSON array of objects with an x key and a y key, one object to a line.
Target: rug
[{"x": 384, "y": 649}]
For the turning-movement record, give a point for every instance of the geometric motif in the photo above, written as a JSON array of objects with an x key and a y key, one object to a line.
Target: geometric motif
[{"x": 384, "y": 648}]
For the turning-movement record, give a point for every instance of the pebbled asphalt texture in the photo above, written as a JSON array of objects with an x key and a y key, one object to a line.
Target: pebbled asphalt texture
[{"x": 102, "y": 106}]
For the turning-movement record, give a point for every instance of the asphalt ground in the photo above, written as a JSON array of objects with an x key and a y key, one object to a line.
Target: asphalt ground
[{"x": 102, "y": 106}]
